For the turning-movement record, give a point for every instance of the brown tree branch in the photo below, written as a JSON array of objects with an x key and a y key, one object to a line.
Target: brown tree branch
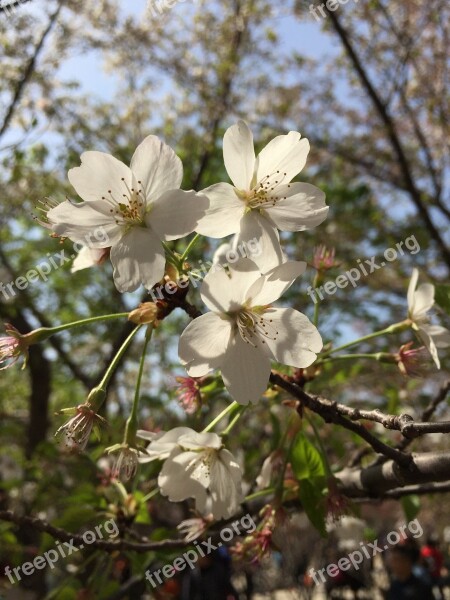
[
  {"x": 392, "y": 134},
  {"x": 29, "y": 70},
  {"x": 78, "y": 541}
]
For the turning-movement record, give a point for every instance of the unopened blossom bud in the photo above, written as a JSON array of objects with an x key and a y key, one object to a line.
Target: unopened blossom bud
[
  {"x": 189, "y": 396},
  {"x": 15, "y": 344},
  {"x": 146, "y": 313},
  {"x": 78, "y": 429},
  {"x": 411, "y": 361},
  {"x": 125, "y": 462},
  {"x": 336, "y": 504},
  {"x": 324, "y": 258}
]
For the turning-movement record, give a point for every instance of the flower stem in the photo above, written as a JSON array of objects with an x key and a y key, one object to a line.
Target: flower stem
[
  {"x": 46, "y": 332},
  {"x": 389, "y": 330},
  {"x": 229, "y": 409},
  {"x": 352, "y": 356},
  {"x": 317, "y": 303},
  {"x": 259, "y": 493},
  {"x": 116, "y": 360},
  {"x": 189, "y": 247},
  {"x": 234, "y": 420},
  {"x": 132, "y": 421}
]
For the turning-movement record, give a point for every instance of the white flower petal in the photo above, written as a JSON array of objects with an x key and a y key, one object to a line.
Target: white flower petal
[
  {"x": 440, "y": 335},
  {"x": 428, "y": 342},
  {"x": 245, "y": 371},
  {"x": 176, "y": 213},
  {"x": 224, "y": 214},
  {"x": 162, "y": 443},
  {"x": 88, "y": 257},
  {"x": 156, "y": 165},
  {"x": 193, "y": 440},
  {"x": 297, "y": 341},
  {"x": 138, "y": 259},
  {"x": 203, "y": 343},
  {"x": 100, "y": 176},
  {"x": 256, "y": 229},
  {"x": 226, "y": 291},
  {"x": 239, "y": 155},
  {"x": 423, "y": 301},
  {"x": 87, "y": 223},
  {"x": 265, "y": 476},
  {"x": 277, "y": 281},
  {"x": 175, "y": 481},
  {"x": 285, "y": 153},
  {"x": 225, "y": 486},
  {"x": 301, "y": 206},
  {"x": 412, "y": 288}
]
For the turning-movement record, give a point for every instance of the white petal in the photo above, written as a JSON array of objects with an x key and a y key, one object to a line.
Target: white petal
[
  {"x": 225, "y": 211},
  {"x": 226, "y": 291},
  {"x": 88, "y": 257},
  {"x": 87, "y": 223},
  {"x": 175, "y": 481},
  {"x": 440, "y": 335},
  {"x": 193, "y": 440},
  {"x": 156, "y": 165},
  {"x": 428, "y": 342},
  {"x": 257, "y": 230},
  {"x": 277, "y": 281},
  {"x": 239, "y": 155},
  {"x": 138, "y": 259},
  {"x": 161, "y": 443},
  {"x": 297, "y": 340},
  {"x": 225, "y": 486},
  {"x": 285, "y": 153},
  {"x": 100, "y": 176},
  {"x": 265, "y": 476},
  {"x": 423, "y": 300},
  {"x": 203, "y": 344},
  {"x": 412, "y": 288},
  {"x": 245, "y": 371},
  {"x": 301, "y": 206},
  {"x": 176, "y": 213}
]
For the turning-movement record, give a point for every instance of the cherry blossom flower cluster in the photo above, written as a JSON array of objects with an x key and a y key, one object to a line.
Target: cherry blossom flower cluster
[{"x": 141, "y": 208}]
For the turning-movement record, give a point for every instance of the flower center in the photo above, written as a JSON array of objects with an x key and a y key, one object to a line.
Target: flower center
[
  {"x": 254, "y": 326},
  {"x": 264, "y": 194},
  {"x": 130, "y": 208}
]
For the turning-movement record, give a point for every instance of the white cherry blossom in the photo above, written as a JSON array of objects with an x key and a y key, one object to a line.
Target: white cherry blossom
[
  {"x": 136, "y": 209},
  {"x": 420, "y": 302},
  {"x": 262, "y": 199},
  {"x": 196, "y": 466},
  {"x": 243, "y": 332}
]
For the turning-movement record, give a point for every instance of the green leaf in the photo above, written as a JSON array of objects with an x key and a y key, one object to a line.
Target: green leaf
[
  {"x": 306, "y": 460},
  {"x": 312, "y": 499},
  {"x": 411, "y": 506}
]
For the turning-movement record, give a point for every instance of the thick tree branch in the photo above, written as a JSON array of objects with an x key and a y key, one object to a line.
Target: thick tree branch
[{"x": 375, "y": 481}]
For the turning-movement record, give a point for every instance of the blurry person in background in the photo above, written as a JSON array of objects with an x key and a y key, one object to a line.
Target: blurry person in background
[
  {"x": 210, "y": 580},
  {"x": 433, "y": 559},
  {"x": 405, "y": 585}
]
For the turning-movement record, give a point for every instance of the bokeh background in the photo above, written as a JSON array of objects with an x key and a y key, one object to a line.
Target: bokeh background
[{"x": 367, "y": 84}]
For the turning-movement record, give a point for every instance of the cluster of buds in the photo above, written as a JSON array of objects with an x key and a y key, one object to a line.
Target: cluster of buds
[
  {"x": 336, "y": 504},
  {"x": 258, "y": 543}
]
